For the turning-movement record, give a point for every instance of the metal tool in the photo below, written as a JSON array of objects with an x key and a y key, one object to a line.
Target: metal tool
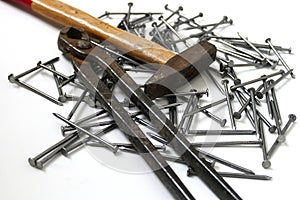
[{"x": 68, "y": 43}]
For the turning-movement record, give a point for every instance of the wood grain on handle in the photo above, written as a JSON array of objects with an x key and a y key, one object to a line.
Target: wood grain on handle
[{"x": 137, "y": 47}]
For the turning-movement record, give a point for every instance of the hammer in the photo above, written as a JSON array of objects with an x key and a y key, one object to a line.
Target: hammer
[{"x": 167, "y": 63}]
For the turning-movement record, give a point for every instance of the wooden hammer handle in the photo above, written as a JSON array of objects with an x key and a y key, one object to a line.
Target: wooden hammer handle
[{"x": 66, "y": 15}]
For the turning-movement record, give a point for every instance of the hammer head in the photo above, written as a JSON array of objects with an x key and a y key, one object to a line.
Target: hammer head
[{"x": 180, "y": 69}]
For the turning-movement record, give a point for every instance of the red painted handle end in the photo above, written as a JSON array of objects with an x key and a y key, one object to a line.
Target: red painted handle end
[{"x": 26, "y": 3}]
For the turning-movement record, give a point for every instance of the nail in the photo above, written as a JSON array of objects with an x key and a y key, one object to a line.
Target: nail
[
  {"x": 172, "y": 29},
  {"x": 66, "y": 81},
  {"x": 277, "y": 122},
  {"x": 225, "y": 84},
  {"x": 225, "y": 162},
  {"x": 278, "y": 141},
  {"x": 158, "y": 33},
  {"x": 262, "y": 78},
  {"x": 158, "y": 138},
  {"x": 146, "y": 124},
  {"x": 255, "y": 118},
  {"x": 186, "y": 111},
  {"x": 217, "y": 84},
  {"x": 224, "y": 20},
  {"x": 32, "y": 161},
  {"x": 279, "y": 57},
  {"x": 92, "y": 116},
  {"x": 229, "y": 71},
  {"x": 190, "y": 118},
  {"x": 276, "y": 111},
  {"x": 144, "y": 19},
  {"x": 266, "y": 163},
  {"x": 180, "y": 8},
  {"x": 239, "y": 98},
  {"x": 189, "y": 21},
  {"x": 271, "y": 127},
  {"x": 66, "y": 150},
  {"x": 238, "y": 55},
  {"x": 123, "y": 146},
  {"x": 53, "y": 71},
  {"x": 132, "y": 13},
  {"x": 77, "y": 104},
  {"x": 135, "y": 63},
  {"x": 37, "y": 67},
  {"x": 241, "y": 51},
  {"x": 41, "y": 163},
  {"x": 277, "y": 81},
  {"x": 190, "y": 172},
  {"x": 221, "y": 132},
  {"x": 226, "y": 144},
  {"x": 193, "y": 92},
  {"x": 128, "y": 13},
  {"x": 200, "y": 109},
  {"x": 57, "y": 83},
  {"x": 267, "y": 95},
  {"x": 214, "y": 24},
  {"x": 173, "y": 116},
  {"x": 107, "y": 144},
  {"x": 238, "y": 114},
  {"x": 12, "y": 79},
  {"x": 221, "y": 122},
  {"x": 256, "y": 50},
  {"x": 261, "y": 46}
]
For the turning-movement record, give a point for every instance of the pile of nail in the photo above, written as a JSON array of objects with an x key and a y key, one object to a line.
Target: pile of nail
[{"x": 234, "y": 54}]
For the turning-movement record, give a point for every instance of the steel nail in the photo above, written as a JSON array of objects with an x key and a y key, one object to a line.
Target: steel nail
[
  {"x": 241, "y": 50},
  {"x": 277, "y": 81},
  {"x": 217, "y": 119},
  {"x": 277, "y": 111},
  {"x": 242, "y": 101},
  {"x": 224, "y": 162},
  {"x": 226, "y": 144},
  {"x": 12, "y": 79},
  {"x": 221, "y": 132},
  {"x": 256, "y": 50},
  {"x": 66, "y": 150},
  {"x": 32, "y": 161},
  {"x": 186, "y": 111},
  {"x": 228, "y": 99},
  {"x": 172, "y": 30},
  {"x": 266, "y": 163},
  {"x": 173, "y": 111},
  {"x": 190, "y": 172},
  {"x": 40, "y": 163},
  {"x": 281, "y": 136},
  {"x": 220, "y": 88},
  {"x": 130, "y": 4},
  {"x": 279, "y": 57},
  {"x": 77, "y": 104},
  {"x": 264, "y": 77},
  {"x": 107, "y": 144},
  {"x": 292, "y": 118}
]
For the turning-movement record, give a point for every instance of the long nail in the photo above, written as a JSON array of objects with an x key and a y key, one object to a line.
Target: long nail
[
  {"x": 33, "y": 89},
  {"x": 278, "y": 141},
  {"x": 77, "y": 104},
  {"x": 222, "y": 132},
  {"x": 32, "y": 161},
  {"x": 266, "y": 163},
  {"x": 279, "y": 57},
  {"x": 107, "y": 144},
  {"x": 66, "y": 151},
  {"x": 225, "y": 83},
  {"x": 41, "y": 163}
]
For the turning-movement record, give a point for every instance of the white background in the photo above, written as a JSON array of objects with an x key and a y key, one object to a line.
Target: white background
[{"x": 27, "y": 125}]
